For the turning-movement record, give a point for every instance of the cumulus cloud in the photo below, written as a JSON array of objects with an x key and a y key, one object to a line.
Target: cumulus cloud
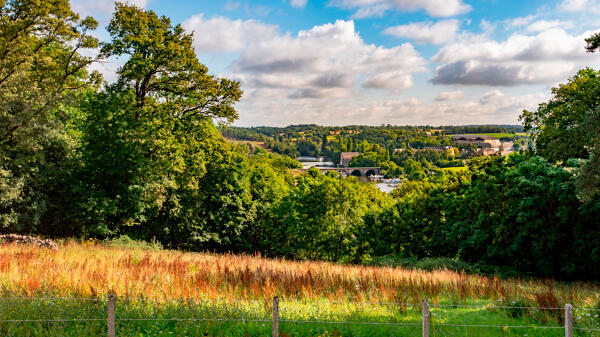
[
  {"x": 371, "y": 8},
  {"x": 326, "y": 61},
  {"x": 521, "y": 59},
  {"x": 492, "y": 107},
  {"x": 220, "y": 34},
  {"x": 491, "y": 96},
  {"x": 426, "y": 32},
  {"x": 543, "y": 25},
  {"x": 298, "y": 3},
  {"x": 449, "y": 96},
  {"x": 101, "y": 7}
]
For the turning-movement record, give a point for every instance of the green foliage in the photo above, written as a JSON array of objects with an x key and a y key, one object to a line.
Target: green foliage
[
  {"x": 307, "y": 148},
  {"x": 320, "y": 210},
  {"x": 568, "y": 126},
  {"x": 513, "y": 211},
  {"x": 125, "y": 241},
  {"x": 593, "y": 43},
  {"x": 41, "y": 71},
  {"x": 441, "y": 263},
  {"x": 163, "y": 68}
]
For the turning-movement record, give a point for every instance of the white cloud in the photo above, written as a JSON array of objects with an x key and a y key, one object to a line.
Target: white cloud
[
  {"x": 522, "y": 59},
  {"x": 491, "y": 96},
  {"x": 262, "y": 107},
  {"x": 543, "y": 25},
  {"x": 326, "y": 61},
  {"x": 220, "y": 34},
  {"x": 101, "y": 7},
  {"x": 486, "y": 26},
  {"x": 520, "y": 21},
  {"x": 435, "y": 8},
  {"x": 298, "y": 3},
  {"x": 449, "y": 96},
  {"x": 426, "y": 32},
  {"x": 574, "y": 5}
]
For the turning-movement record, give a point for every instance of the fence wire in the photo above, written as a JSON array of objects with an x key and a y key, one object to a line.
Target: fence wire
[{"x": 74, "y": 316}]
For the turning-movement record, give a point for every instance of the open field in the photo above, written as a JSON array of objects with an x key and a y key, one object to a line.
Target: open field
[
  {"x": 206, "y": 291},
  {"x": 456, "y": 169},
  {"x": 502, "y": 134},
  {"x": 254, "y": 143}
]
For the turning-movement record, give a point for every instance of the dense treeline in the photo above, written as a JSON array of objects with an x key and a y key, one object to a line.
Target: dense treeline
[
  {"x": 143, "y": 157},
  {"x": 518, "y": 211},
  {"x": 466, "y": 129}
]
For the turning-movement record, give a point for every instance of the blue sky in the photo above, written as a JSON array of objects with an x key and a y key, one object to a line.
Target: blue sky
[{"x": 339, "y": 62}]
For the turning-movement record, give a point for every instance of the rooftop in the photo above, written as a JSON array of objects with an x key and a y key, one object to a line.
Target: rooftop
[{"x": 349, "y": 154}]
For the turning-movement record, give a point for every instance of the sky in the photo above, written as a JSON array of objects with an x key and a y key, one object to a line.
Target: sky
[{"x": 373, "y": 62}]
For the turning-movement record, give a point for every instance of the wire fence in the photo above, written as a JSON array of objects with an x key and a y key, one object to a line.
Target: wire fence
[{"x": 112, "y": 316}]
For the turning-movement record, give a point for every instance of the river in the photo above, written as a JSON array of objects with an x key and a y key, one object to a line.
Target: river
[{"x": 308, "y": 162}]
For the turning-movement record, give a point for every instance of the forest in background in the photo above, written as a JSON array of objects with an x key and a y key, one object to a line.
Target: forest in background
[
  {"x": 409, "y": 152},
  {"x": 143, "y": 157}
]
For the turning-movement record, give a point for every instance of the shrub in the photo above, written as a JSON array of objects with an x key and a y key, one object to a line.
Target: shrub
[{"x": 125, "y": 241}]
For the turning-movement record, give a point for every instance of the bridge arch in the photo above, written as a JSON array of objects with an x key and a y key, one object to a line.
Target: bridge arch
[
  {"x": 370, "y": 172},
  {"x": 356, "y": 173}
]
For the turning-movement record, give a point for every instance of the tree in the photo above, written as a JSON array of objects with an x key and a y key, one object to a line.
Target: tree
[
  {"x": 307, "y": 148},
  {"x": 163, "y": 68},
  {"x": 322, "y": 209},
  {"x": 324, "y": 144},
  {"x": 593, "y": 43},
  {"x": 167, "y": 172},
  {"x": 568, "y": 126},
  {"x": 523, "y": 212},
  {"x": 41, "y": 72}
]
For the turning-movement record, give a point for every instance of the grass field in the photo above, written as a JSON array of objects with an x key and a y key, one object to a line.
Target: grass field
[
  {"x": 209, "y": 294},
  {"x": 455, "y": 169},
  {"x": 254, "y": 143}
]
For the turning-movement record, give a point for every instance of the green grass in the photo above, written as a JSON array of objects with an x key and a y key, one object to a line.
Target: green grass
[
  {"x": 254, "y": 143},
  {"x": 455, "y": 169},
  {"x": 218, "y": 318},
  {"x": 501, "y": 134}
]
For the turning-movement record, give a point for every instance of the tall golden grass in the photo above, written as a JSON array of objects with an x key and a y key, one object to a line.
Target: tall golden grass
[{"x": 92, "y": 270}]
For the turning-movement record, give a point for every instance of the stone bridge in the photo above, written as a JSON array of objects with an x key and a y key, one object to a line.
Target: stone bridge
[{"x": 351, "y": 171}]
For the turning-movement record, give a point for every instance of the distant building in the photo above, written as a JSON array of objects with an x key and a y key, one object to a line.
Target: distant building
[
  {"x": 507, "y": 147},
  {"x": 477, "y": 140},
  {"x": 346, "y": 157},
  {"x": 434, "y": 132},
  {"x": 486, "y": 145}
]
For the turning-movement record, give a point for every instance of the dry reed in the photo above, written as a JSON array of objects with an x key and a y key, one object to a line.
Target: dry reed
[{"x": 95, "y": 270}]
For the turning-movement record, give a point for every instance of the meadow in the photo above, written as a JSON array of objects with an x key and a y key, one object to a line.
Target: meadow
[
  {"x": 231, "y": 295},
  {"x": 254, "y": 143},
  {"x": 503, "y": 134}
]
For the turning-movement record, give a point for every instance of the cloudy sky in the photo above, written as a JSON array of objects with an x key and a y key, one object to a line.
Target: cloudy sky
[{"x": 340, "y": 62}]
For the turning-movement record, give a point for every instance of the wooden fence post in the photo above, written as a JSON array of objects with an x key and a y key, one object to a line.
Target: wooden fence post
[
  {"x": 568, "y": 320},
  {"x": 426, "y": 314},
  {"x": 110, "y": 320},
  {"x": 275, "y": 316}
]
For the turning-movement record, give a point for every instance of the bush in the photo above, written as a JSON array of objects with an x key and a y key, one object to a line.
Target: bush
[
  {"x": 430, "y": 264},
  {"x": 125, "y": 241}
]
